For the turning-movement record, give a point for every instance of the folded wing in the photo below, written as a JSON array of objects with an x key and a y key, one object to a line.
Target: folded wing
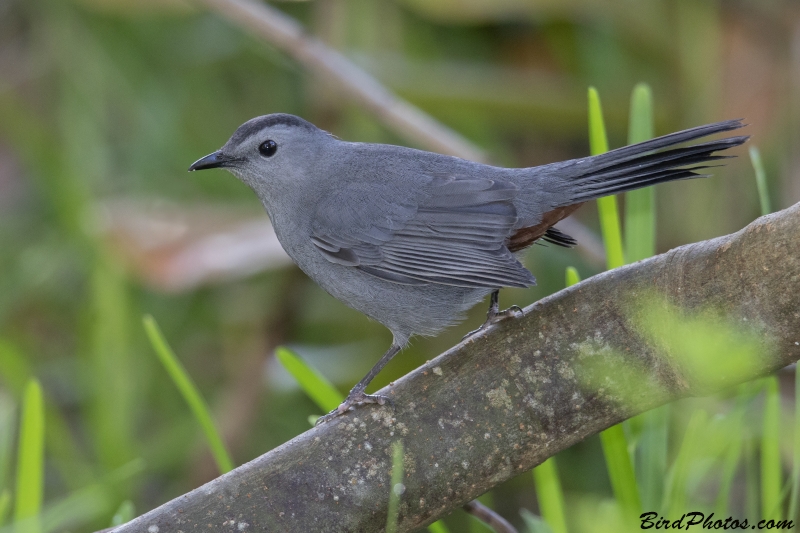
[{"x": 453, "y": 232}]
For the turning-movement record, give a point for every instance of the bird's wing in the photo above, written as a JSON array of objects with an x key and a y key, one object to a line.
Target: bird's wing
[{"x": 452, "y": 232}]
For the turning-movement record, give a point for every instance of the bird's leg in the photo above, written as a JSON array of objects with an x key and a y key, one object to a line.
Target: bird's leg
[
  {"x": 357, "y": 395},
  {"x": 495, "y": 315}
]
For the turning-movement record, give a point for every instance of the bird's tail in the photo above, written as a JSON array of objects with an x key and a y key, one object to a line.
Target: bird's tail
[{"x": 643, "y": 164}]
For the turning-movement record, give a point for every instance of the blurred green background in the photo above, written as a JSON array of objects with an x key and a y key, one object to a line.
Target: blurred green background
[{"x": 105, "y": 103}]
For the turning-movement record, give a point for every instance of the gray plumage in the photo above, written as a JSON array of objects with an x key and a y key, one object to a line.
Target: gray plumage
[{"x": 413, "y": 239}]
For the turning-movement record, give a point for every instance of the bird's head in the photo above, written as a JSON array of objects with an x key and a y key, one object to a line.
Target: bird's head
[{"x": 269, "y": 153}]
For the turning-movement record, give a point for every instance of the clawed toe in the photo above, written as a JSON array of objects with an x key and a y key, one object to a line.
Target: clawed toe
[
  {"x": 494, "y": 316},
  {"x": 353, "y": 401},
  {"x": 375, "y": 398},
  {"x": 514, "y": 311}
]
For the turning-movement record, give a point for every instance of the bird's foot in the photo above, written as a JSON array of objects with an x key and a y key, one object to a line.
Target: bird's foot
[
  {"x": 514, "y": 311},
  {"x": 353, "y": 400},
  {"x": 494, "y": 316}
]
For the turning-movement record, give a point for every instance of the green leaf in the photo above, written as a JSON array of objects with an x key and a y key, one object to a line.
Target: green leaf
[
  {"x": 189, "y": 392},
  {"x": 113, "y": 382},
  {"x": 678, "y": 478},
  {"x": 607, "y": 206},
  {"x": 15, "y": 369},
  {"x": 751, "y": 479},
  {"x": 7, "y": 431},
  {"x": 572, "y": 276},
  {"x": 733, "y": 455},
  {"x": 314, "y": 384},
  {"x": 615, "y": 445},
  {"x": 550, "y": 495},
  {"x": 87, "y": 504},
  {"x": 652, "y": 466},
  {"x": 396, "y": 487},
  {"x": 795, "y": 494},
  {"x": 30, "y": 459},
  {"x": 640, "y": 124},
  {"x": 620, "y": 469},
  {"x": 715, "y": 352},
  {"x": 598, "y": 142},
  {"x": 771, "y": 504},
  {"x": 640, "y": 215},
  {"x": 533, "y": 523},
  {"x": 761, "y": 181},
  {"x": 640, "y": 243},
  {"x": 438, "y": 527},
  {"x": 124, "y": 514},
  {"x": 5, "y": 505}
]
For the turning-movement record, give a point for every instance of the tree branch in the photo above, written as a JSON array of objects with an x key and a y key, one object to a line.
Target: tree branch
[{"x": 502, "y": 402}]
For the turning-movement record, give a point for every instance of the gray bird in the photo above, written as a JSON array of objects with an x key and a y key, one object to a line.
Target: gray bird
[{"x": 414, "y": 239}]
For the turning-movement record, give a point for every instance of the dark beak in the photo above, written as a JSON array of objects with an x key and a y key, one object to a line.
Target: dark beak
[{"x": 215, "y": 160}]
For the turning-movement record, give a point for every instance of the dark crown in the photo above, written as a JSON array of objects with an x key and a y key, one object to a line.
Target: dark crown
[{"x": 257, "y": 124}]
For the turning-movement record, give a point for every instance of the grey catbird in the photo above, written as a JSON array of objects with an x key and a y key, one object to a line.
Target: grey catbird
[{"x": 414, "y": 239}]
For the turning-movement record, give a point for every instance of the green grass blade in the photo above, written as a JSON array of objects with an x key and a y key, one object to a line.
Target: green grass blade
[
  {"x": 607, "y": 207},
  {"x": 795, "y": 494},
  {"x": 751, "y": 488},
  {"x": 620, "y": 469},
  {"x": 761, "y": 181},
  {"x": 615, "y": 445},
  {"x": 733, "y": 456},
  {"x": 572, "y": 277},
  {"x": 112, "y": 367},
  {"x": 189, "y": 392},
  {"x": 15, "y": 368},
  {"x": 314, "y": 384},
  {"x": 771, "y": 508},
  {"x": 396, "y": 487},
  {"x": 640, "y": 214},
  {"x": 89, "y": 503},
  {"x": 5, "y": 505},
  {"x": 652, "y": 466},
  {"x": 438, "y": 527},
  {"x": 678, "y": 478},
  {"x": 640, "y": 243},
  {"x": 598, "y": 142},
  {"x": 124, "y": 514},
  {"x": 771, "y": 504},
  {"x": 30, "y": 459},
  {"x": 640, "y": 124},
  {"x": 7, "y": 431},
  {"x": 67, "y": 455},
  {"x": 533, "y": 523},
  {"x": 550, "y": 495}
]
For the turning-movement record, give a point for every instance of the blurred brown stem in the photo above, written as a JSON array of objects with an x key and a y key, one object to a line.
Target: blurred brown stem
[
  {"x": 489, "y": 517},
  {"x": 286, "y": 34},
  {"x": 502, "y": 402}
]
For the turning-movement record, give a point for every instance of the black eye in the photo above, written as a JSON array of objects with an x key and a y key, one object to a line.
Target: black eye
[{"x": 268, "y": 148}]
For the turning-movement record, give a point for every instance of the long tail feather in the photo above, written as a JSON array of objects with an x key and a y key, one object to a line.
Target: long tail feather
[{"x": 640, "y": 165}]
